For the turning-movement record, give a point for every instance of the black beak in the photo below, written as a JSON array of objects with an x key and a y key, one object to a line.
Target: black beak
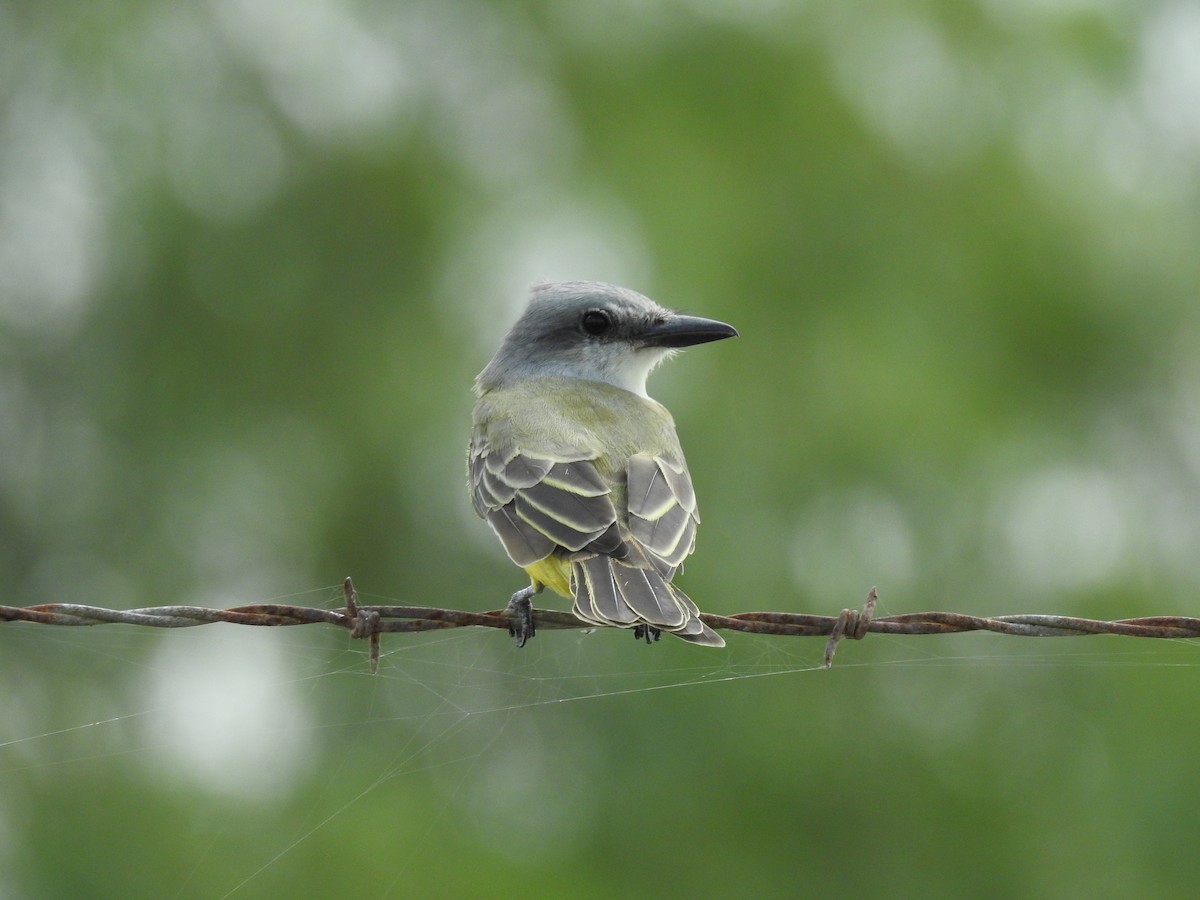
[{"x": 686, "y": 331}]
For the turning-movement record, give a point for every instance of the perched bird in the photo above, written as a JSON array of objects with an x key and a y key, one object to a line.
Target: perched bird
[{"x": 578, "y": 471}]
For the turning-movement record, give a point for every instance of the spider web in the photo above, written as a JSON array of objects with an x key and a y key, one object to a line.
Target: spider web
[{"x": 283, "y": 731}]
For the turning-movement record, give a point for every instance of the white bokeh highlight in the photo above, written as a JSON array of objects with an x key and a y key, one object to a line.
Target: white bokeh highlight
[{"x": 228, "y": 719}]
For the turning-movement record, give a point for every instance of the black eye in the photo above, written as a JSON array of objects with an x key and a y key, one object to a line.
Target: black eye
[{"x": 595, "y": 322}]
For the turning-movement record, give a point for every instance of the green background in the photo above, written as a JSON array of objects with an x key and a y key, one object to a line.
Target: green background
[{"x": 251, "y": 257}]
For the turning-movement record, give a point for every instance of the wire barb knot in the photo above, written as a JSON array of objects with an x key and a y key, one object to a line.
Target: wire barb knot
[
  {"x": 364, "y": 622},
  {"x": 853, "y": 624}
]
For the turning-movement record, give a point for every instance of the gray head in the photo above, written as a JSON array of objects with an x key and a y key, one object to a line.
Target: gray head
[{"x": 593, "y": 331}]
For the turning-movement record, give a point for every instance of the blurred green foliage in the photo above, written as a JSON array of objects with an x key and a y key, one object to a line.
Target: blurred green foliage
[{"x": 252, "y": 255}]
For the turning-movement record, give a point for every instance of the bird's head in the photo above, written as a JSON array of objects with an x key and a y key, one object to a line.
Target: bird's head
[{"x": 597, "y": 332}]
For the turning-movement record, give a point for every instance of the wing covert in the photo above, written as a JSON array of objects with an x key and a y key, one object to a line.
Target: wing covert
[
  {"x": 662, "y": 509},
  {"x": 537, "y": 504}
]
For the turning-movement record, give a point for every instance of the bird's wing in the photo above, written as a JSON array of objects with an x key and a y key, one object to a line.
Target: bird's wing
[
  {"x": 537, "y": 503},
  {"x": 662, "y": 510}
]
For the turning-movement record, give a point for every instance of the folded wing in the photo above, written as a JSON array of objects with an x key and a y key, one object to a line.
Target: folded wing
[
  {"x": 662, "y": 510},
  {"x": 537, "y": 504}
]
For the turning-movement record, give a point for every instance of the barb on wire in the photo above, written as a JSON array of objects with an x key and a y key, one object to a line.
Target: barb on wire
[{"x": 369, "y": 622}]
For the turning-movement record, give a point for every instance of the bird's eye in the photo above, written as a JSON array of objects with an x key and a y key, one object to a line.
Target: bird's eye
[{"x": 595, "y": 322}]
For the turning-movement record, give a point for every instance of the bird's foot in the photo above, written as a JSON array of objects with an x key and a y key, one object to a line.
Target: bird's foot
[
  {"x": 520, "y": 615},
  {"x": 648, "y": 633}
]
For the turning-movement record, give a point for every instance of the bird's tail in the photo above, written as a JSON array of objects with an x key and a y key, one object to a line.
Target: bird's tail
[{"x": 627, "y": 593}]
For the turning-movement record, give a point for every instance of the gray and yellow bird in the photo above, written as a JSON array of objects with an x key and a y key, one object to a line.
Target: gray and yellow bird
[{"x": 578, "y": 471}]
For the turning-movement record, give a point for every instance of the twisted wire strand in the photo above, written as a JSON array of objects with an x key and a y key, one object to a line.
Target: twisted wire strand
[{"x": 368, "y": 622}]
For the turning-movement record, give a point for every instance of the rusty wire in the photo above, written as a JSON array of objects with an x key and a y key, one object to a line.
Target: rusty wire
[{"x": 368, "y": 622}]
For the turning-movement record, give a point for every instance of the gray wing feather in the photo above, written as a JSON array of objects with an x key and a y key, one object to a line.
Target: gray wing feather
[
  {"x": 656, "y": 484},
  {"x": 579, "y": 477},
  {"x": 582, "y": 514},
  {"x": 665, "y": 535},
  {"x": 650, "y": 494},
  {"x": 524, "y": 543},
  {"x": 554, "y": 525},
  {"x": 662, "y": 510},
  {"x": 496, "y": 491},
  {"x": 476, "y": 472},
  {"x": 681, "y": 485},
  {"x": 537, "y": 504},
  {"x": 523, "y": 471}
]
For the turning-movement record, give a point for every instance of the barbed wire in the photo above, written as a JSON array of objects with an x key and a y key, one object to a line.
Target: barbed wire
[{"x": 369, "y": 622}]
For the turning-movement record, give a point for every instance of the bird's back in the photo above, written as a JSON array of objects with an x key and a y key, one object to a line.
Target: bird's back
[{"x": 568, "y": 419}]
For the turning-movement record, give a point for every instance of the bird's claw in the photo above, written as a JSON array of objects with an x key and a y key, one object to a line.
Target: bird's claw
[
  {"x": 648, "y": 633},
  {"x": 520, "y": 615}
]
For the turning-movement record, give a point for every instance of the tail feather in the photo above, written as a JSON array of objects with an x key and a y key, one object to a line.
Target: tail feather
[
  {"x": 706, "y": 638},
  {"x": 597, "y": 599},
  {"x": 621, "y": 593},
  {"x": 649, "y": 596}
]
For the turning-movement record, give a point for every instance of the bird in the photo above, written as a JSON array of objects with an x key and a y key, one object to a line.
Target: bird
[{"x": 578, "y": 470}]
